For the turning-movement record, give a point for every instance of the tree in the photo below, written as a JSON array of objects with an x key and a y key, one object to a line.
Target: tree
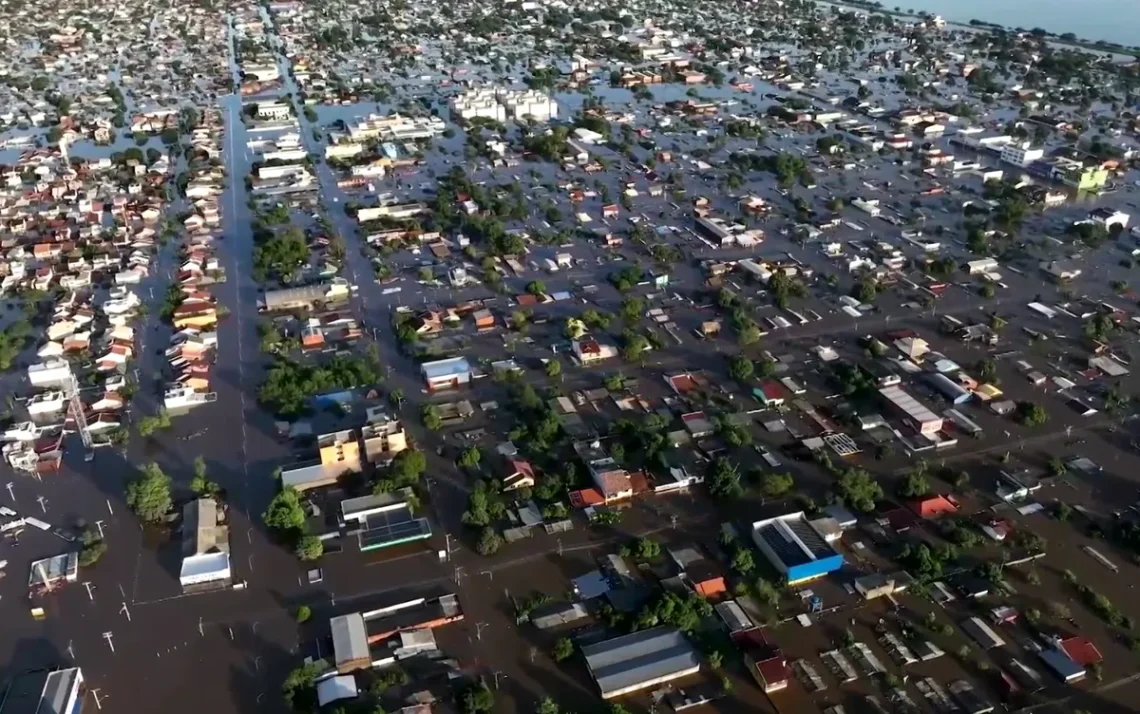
[
  {"x": 200, "y": 483},
  {"x": 548, "y": 706},
  {"x": 92, "y": 548},
  {"x": 563, "y": 649},
  {"x": 748, "y": 334},
  {"x": 284, "y": 512},
  {"x": 775, "y": 484},
  {"x": 767, "y": 593},
  {"x": 478, "y": 700},
  {"x": 646, "y": 549},
  {"x": 431, "y": 418},
  {"x": 310, "y": 547},
  {"x": 1031, "y": 414},
  {"x": 636, "y": 345},
  {"x": 987, "y": 371},
  {"x": 489, "y": 542},
  {"x": 914, "y": 485},
  {"x": 470, "y": 458},
  {"x": 632, "y": 308},
  {"x": 741, "y": 368},
  {"x": 725, "y": 481},
  {"x": 742, "y": 561},
  {"x": 553, "y": 368},
  {"x": 859, "y": 490},
  {"x": 865, "y": 290},
  {"x": 152, "y": 423},
  {"x": 297, "y": 689},
  {"x": 408, "y": 466},
  {"x": 536, "y": 287},
  {"x": 149, "y": 495},
  {"x": 304, "y": 614}
]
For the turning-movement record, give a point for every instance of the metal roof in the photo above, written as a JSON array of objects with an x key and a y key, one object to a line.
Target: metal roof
[
  {"x": 445, "y": 367},
  {"x": 350, "y": 640},
  {"x": 57, "y": 690},
  {"x": 640, "y": 658}
]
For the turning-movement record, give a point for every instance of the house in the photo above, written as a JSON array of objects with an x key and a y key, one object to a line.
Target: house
[
  {"x": 765, "y": 661},
  {"x": 205, "y": 547},
  {"x": 590, "y": 351},
  {"x": 934, "y": 506},
  {"x": 190, "y": 314},
  {"x": 770, "y": 393},
  {"x": 339, "y": 455},
  {"x": 446, "y": 373},
  {"x": 518, "y": 474}
]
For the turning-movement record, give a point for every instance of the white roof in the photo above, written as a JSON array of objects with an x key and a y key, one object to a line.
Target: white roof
[
  {"x": 335, "y": 688},
  {"x": 205, "y": 567}
]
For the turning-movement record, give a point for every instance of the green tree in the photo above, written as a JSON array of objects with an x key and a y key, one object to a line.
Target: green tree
[
  {"x": 148, "y": 425},
  {"x": 478, "y": 700},
  {"x": 1031, "y": 414},
  {"x": 536, "y": 287},
  {"x": 725, "y": 480},
  {"x": 914, "y": 485},
  {"x": 149, "y": 495},
  {"x": 646, "y": 549},
  {"x": 304, "y": 614},
  {"x": 284, "y": 512},
  {"x": 859, "y": 490},
  {"x": 553, "y": 368},
  {"x": 92, "y": 548},
  {"x": 776, "y": 484},
  {"x": 742, "y": 561},
  {"x": 489, "y": 542},
  {"x": 563, "y": 649},
  {"x": 431, "y": 418},
  {"x": 200, "y": 483},
  {"x": 741, "y": 368},
  {"x": 310, "y": 547},
  {"x": 632, "y": 308},
  {"x": 470, "y": 458}
]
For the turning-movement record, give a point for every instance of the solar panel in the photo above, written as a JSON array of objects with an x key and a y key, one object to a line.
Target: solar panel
[{"x": 392, "y": 527}]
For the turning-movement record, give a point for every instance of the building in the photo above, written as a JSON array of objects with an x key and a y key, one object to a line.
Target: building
[
  {"x": 934, "y": 506},
  {"x": 62, "y": 691},
  {"x": 640, "y": 660},
  {"x": 274, "y": 110},
  {"x": 49, "y": 573},
  {"x": 339, "y": 455},
  {"x": 362, "y": 640},
  {"x": 765, "y": 662},
  {"x": 1109, "y": 218},
  {"x": 383, "y": 437},
  {"x": 306, "y": 297},
  {"x": 1021, "y": 154},
  {"x": 795, "y": 547},
  {"x": 982, "y": 633},
  {"x": 446, "y": 373},
  {"x": 205, "y": 547},
  {"x": 383, "y": 519},
  {"x": 915, "y": 414},
  {"x": 948, "y": 388}
]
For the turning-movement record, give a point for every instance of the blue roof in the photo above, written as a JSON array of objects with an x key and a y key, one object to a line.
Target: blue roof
[{"x": 445, "y": 367}]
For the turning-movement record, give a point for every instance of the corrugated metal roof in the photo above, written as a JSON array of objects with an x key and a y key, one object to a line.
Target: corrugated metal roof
[
  {"x": 632, "y": 660},
  {"x": 350, "y": 639}
]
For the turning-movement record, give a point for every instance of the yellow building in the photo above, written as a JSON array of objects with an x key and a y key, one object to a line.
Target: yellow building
[{"x": 339, "y": 447}]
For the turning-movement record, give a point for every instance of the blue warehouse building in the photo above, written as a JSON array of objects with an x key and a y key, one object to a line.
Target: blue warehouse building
[{"x": 793, "y": 545}]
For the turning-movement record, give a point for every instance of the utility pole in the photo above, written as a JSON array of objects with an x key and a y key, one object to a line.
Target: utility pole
[
  {"x": 11, "y": 495},
  {"x": 71, "y": 650},
  {"x": 496, "y": 674},
  {"x": 479, "y": 630},
  {"x": 98, "y": 699},
  {"x": 43, "y": 503},
  {"x": 110, "y": 642},
  {"x": 559, "y": 547},
  {"x": 489, "y": 573},
  {"x": 89, "y": 587},
  {"x": 458, "y": 574},
  {"x": 200, "y": 632},
  {"x": 124, "y": 611},
  {"x": 99, "y": 525}
]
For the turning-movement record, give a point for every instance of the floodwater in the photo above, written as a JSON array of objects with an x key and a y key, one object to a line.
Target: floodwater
[{"x": 1111, "y": 20}]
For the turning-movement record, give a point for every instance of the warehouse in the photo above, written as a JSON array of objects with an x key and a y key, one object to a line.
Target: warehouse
[
  {"x": 382, "y": 520},
  {"x": 640, "y": 660},
  {"x": 795, "y": 547},
  {"x": 915, "y": 413},
  {"x": 948, "y": 388}
]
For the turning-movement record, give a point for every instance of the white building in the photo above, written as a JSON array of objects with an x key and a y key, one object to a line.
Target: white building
[
  {"x": 273, "y": 110},
  {"x": 503, "y": 104},
  {"x": 870, "y": 206},
  {"x": 1020, "y": 154}
]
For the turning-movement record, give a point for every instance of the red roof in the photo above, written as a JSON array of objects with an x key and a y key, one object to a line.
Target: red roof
[
  {"x": 586, "y": 497},
  {"x": 1081, "y": 650},
  {"x": 775, "y": 672},
  {"x": 934, "y": 506}
]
